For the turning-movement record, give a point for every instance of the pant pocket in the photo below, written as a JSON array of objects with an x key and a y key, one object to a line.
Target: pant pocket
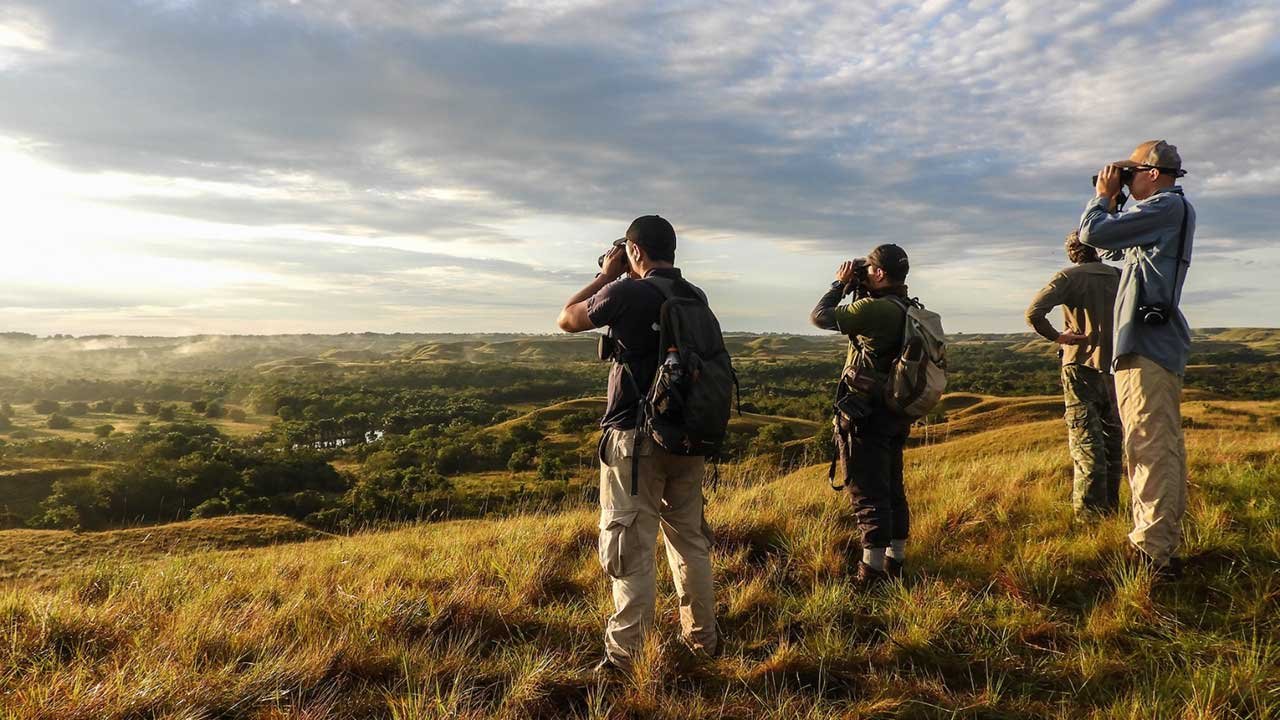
[
  {"x": 1077, "y": 416},
  {"x": 619, "y": 551}
]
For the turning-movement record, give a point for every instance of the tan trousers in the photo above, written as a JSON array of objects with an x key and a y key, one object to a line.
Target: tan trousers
[
  {"x": 670, "y": 501},
  {"x": 1150, "y": 400}
]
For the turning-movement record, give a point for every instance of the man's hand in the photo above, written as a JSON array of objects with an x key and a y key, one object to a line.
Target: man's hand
[
  {"x": 846, "y": 272},
  {"x": 615, "y": 263},
  {"x": 1109, "y": 182},
  {"x": 1070, "y": 338}
]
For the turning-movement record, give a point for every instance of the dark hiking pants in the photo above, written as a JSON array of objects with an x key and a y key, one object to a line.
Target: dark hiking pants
[
  {"x": 1095, "y": 437},
  {"x": 873, "y": 479}
]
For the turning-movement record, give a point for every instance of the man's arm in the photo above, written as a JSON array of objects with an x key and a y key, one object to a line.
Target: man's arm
[
  {"x": 1131, "y": 228},
  {"x": 1049, "y": 297},
  {"x": 824, "y": 313},
  {"x": 1099, "y": 228},
  {"x": 574, "y": 317}
]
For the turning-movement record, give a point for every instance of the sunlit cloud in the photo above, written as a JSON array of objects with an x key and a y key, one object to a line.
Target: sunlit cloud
[{"x": 268, "y": 166}]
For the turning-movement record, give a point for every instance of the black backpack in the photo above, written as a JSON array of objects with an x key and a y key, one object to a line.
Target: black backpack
[{"x": 686, "y": 411}]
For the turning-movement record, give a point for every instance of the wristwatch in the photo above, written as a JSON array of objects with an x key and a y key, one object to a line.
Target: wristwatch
[{"x": 839, "y": 285}]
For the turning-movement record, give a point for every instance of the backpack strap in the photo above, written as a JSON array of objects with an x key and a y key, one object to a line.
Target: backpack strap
[
  {"x": 904, "y": 304},
  {"x": 665, "y": 287}
]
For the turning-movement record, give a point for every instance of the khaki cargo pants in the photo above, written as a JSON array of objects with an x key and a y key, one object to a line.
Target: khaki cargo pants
[
  {"x": 1150, "y": 408},
  {"x": 1096, "y": 438},
  {"x": 670, "y": 501}
]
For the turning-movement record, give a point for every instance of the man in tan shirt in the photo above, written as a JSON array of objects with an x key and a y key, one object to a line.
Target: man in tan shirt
[{"x": 1087, "y": 293}]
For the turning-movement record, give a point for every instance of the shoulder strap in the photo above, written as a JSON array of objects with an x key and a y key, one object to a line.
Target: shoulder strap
[
  {"x": 668, "y": 286},
  {"x": 1182, "y": 247},
  {"x": 905, "y": 306}
]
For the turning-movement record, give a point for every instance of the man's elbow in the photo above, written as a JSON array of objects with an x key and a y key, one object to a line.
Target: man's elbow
[
  {"x": 821, "y": 319},
  {"x": 565, "y": 321},
  {"x": 1085, "y": 235}
]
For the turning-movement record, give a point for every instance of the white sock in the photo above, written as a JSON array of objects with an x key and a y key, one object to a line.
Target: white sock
[
  {"x": 873, "y": 557},
  {"x": 898, "y": 550}
]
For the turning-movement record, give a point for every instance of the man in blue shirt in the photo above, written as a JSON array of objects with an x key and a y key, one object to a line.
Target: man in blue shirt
[{"x": 1152, "y": 339}]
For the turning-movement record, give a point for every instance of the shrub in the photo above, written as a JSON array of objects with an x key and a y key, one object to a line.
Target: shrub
[
  {"x": 526, "y": 433},
  {"x": 577, "y": 421},
  {"x": 102, "y": 406},
  {"x": 237, "y": 415},
  {"x": 522, "y": 458},
  {"x": 199, "y": 406},
  {"x": 167, "y": 413},
  {"x": 58, "y": 421},
  {"x": 213, "y": 507},
  {"x": 213, "y": 410},
  {"x": 77, "y": 409},
  {"x": 45, "y": 407},
  {"x": 551, "y": 468},
  {"x": 104, "y": 430},
  {"x": 76, "y": 502}
]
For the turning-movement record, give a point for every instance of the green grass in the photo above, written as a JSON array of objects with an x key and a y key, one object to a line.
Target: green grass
[
  {"x": 1010, "y": 611},
  {"x": 24, "y": 484}
]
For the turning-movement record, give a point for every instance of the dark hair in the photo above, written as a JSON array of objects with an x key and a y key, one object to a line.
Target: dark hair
[
  {"x": 892, "y": 260},
  {"x": 655, "y": 235},
  {"x": 1078, "y": 252}
]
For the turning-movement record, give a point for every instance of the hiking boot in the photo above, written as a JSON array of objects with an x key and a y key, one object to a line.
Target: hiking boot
[
  {"x": 894, "y": 568},
  {"x": 606, "y": 669},
  {"x": 867, "y": 577},
  {"x": 1135, "y": 557}
]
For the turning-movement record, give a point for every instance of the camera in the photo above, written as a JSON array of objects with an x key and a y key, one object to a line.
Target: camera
[
  {"x": 616, "y": 243},
  {"x": 1155, "y": 314}
]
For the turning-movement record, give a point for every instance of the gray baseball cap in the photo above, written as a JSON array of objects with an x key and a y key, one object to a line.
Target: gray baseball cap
[{"x": 1154, "y": 154}]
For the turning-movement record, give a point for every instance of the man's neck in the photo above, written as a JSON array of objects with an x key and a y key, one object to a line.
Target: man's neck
[{"x": 647, "y": 268}]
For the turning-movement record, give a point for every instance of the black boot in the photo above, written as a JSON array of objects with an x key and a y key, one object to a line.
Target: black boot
[
  {"x": 894, "y": 568},
  {"x": 867, "y": 577}
]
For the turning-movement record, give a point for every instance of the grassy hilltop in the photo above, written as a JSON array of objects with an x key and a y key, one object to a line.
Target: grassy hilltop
[{"x": 1010, "y": 610}]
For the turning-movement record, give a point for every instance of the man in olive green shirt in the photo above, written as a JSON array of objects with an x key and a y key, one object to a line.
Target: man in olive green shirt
[
  {"x": 1087, "y": 293},
  {"x": 871, "y": 450}
]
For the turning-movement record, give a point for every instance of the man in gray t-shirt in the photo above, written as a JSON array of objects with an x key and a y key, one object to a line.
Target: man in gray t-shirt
[
  {"x": 1087, "y": 293},
  {"x": 1154, "y": 237}
]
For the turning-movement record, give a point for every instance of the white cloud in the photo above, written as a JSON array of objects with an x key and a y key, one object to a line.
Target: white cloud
[{"x": 532, "y": 132}]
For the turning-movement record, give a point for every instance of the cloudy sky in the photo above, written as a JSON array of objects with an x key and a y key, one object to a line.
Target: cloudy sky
[{"x": 181, "y": 166}]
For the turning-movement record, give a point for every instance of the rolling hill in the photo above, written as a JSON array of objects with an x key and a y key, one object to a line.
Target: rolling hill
[{"x": 1009, "y": 609}]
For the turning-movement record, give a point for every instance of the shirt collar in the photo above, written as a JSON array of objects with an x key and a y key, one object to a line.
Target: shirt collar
[{"x": 671, "y": 272}]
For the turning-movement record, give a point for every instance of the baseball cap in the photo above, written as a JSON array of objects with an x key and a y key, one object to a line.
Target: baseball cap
[
  {"x": 654, "y": 234},
  {"x": 890, "y": 258},
  {"x": 1155, "y": 154}
]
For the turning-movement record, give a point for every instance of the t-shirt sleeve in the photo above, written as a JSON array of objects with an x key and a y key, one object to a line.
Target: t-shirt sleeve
[{"x": 607, "y": 305}]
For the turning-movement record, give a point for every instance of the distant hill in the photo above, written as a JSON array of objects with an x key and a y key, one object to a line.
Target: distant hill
[
  {"x": 108, "y": 355},
  {"x": 49, "y": 553}
]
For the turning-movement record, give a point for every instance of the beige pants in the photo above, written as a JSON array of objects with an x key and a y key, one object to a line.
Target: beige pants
[
  {"x": 1150, "y": 409},
  {"x": 670, "y": 500}
]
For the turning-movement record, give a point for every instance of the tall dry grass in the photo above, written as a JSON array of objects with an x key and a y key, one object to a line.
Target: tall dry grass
[{"x": 1009, "y": 610}]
